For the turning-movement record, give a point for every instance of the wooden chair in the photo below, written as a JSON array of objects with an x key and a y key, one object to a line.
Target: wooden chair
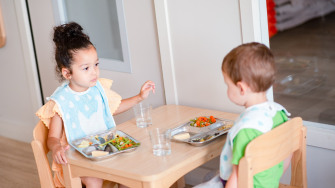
[
  {"x": 273, "y": 147},
  {"x": 40, "y": 150}
]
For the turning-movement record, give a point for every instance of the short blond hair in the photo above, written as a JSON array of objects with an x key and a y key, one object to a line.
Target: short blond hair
[{"x": 252, "y": 63}]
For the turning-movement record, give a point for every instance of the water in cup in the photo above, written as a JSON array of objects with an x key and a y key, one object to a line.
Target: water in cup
[
  {"x": 143, "y": 121},
  {"x": 161, "y": 141},
  {"x": 162, "y": 149},
  {"x": 142, "y": 115}
]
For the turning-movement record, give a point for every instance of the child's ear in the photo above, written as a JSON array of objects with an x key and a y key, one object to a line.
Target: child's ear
[
  {"x": 66, "y": 73},
  {"x": 242, "y": 87}
]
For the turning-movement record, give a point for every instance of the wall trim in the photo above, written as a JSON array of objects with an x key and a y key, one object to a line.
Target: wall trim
[
  {"x": 251, "y": 23},
  {"x": 254, "y": 26},
  {"x": 28, "y": 53},
  {"x": 320, "y": 135},
  {"x": 165, "y": 47}
]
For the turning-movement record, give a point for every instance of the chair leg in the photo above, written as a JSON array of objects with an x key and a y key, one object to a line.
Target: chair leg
[
  {"x": 70, "y": 182},
  {"x": 109, "y": 184},
  {"x": 179, "y": 183}
]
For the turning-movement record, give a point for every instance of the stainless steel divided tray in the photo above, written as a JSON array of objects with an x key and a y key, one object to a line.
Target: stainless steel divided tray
[
  {"x": 105, "y": 144},
  {"x": 199, "y": 136}
]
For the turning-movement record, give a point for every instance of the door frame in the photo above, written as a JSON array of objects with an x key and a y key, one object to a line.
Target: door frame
[{"x": 28, "y": 53}]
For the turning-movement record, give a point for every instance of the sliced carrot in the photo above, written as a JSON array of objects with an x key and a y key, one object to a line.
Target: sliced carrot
[
  {"x": 200, "y": 118},
  {"x": 212, "y": 119},
  {"x": 203, "y": 121}
]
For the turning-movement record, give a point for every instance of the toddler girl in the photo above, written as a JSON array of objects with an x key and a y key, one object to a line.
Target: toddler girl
[{"x": 83, "y": 104}]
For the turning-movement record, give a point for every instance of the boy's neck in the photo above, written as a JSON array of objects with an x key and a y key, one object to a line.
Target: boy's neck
[{"x": 255, "y": 98}]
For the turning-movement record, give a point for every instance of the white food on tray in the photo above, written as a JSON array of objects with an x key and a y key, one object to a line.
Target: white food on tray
[
  {"x": 182, "y": 136},
  {"x": 84, "y": 144},
  {"x": 98, "y": 153}
]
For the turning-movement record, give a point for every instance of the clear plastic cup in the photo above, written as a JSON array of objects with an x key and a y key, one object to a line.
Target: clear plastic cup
[
  {"x": 161, "y": 141},
  {"x": 143, "y": 115}
]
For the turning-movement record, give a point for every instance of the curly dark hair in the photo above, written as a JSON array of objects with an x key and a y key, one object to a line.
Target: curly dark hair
[{"x": 68, "y": 39}]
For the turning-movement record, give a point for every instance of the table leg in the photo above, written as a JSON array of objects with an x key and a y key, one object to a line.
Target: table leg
[
  {"x": 70, "y": 182},
  {"x": 181, "y": 182}
]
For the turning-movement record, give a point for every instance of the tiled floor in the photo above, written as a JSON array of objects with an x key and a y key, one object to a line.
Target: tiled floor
[{"x": 305, "y": 57}]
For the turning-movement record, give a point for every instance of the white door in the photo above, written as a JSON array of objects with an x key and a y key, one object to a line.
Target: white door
[{"x": 20, "y": 95}]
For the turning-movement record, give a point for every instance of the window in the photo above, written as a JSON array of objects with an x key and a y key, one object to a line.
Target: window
[{"x": 104, "y": 22}]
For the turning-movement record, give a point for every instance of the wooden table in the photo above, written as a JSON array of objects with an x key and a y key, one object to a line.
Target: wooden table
[{"x": 141, "y": 168}]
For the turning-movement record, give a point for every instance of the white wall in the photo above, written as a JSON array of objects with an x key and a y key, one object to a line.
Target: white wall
[
  {"x": 194, "y": 37},
  {"x": 202, "y": 33},
  {"x": 19, "y": 96}
]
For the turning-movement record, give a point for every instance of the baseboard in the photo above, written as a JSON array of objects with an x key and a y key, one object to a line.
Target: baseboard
[
  {"x": 321, "y": 137},
  {"x": 16, "y": 131}
]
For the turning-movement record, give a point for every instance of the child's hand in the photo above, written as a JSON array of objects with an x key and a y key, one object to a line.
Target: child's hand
[
  {"x": 58, "y": 154},
  {"x": 146, "y": 88}
]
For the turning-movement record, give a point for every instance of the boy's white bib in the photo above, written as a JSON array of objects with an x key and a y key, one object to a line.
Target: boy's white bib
[
  {"x": 83, "y": 113},
  {"x": 257, "y": 117}
]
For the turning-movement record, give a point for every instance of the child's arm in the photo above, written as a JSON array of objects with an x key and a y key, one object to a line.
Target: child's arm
[
  {"x": 55, "y": 133},
  {"x": 126, "y": 104},
  {"x": 232, "y": 181}
]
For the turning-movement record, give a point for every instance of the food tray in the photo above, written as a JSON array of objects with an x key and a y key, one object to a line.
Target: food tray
[
  {"x": 208, "y": 134},
  {"x": 107, "y": 135}
]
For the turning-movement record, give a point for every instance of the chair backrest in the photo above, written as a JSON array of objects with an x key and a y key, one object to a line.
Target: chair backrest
[
  {"x": 40, "y": 149},
  {"x": 273, "y": 147}
]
